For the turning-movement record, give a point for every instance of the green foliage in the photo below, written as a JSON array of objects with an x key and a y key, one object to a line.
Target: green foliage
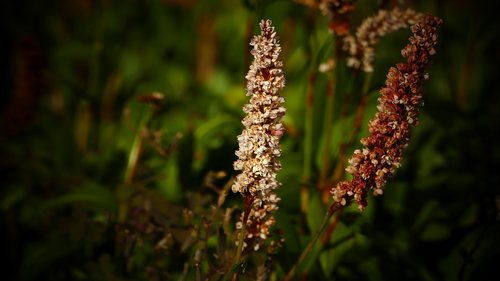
[{"x": 104, "y": 179}]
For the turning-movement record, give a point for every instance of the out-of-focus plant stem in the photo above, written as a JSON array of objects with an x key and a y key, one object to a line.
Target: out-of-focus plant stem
[
  {"x": 137, "y": 145},
  {"x": 308, "y": 118},
  {"x": 331, "y": 228},
  {"x": 308, "y": 139},
  {"x": 338, "y": 172},
  {"x": 94, "y": 68},
  {"x": 328, "y": 121},
  {"x": 332, "y": 210},
  {"x": 133, "y": 159},
  {"x": 328, "y": 125}
]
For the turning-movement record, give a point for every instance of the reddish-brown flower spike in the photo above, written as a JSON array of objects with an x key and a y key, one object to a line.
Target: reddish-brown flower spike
[
  {"x": 259, "y": 142},
  {"x": 361, "y": 46},
  {"x": 389, "y": 130}
]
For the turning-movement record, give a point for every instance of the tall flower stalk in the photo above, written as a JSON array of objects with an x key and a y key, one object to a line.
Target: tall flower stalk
[
  {"x": 389, "y": 130},
  {"x": 259, "y": 142}
]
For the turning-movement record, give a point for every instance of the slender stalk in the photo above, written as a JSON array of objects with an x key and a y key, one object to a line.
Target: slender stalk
[
  {"x": 327, "y": 131},
  {"x": 331, "y": 228},
  {"x": 366, "y": 83},
  {"x": 240, "y": 246},
  {"x": 361, "y": 108},
  {"x": 308, "y": 144},
  {"x": 333, "y": 208},
  {"x": 308, "y": 118},
  {"x": 328, "y": 122},
  {"x": 137, "y": 145}
]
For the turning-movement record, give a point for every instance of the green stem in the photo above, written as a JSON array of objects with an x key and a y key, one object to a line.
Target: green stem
[
  {"x": 328, "y": 122},
  {"x": 308, "y": 143},
  {"x": 366, "y": 83},
  {"x": 333, "y": 208},
  {"x": 308, "y": 118},
  {"x": 327, "y": 131}
]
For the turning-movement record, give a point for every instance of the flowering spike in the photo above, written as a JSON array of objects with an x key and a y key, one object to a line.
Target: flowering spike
[
  {"x": 259, "y": 142},
  {"x": 389, "y": 130},
  {"x": 361, "y": 47}
]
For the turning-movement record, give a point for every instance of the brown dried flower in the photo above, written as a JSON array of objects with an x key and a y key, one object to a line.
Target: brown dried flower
[
  {"x": 259, "y": 142},
  {"x": 361, "y": 47},
  {"x": 389, "y": 130}
]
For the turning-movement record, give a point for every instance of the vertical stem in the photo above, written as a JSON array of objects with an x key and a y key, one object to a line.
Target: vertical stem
[
  {"x": 133, "y": 159},
  {"x": 328, "y": 122},
  {"x": 308, "y": 146},
  {"x": 366, "y": 84},
  {"x": 327, "y": 131},
  {"x": 308, "y": 118},
  {"x": 241, "y": 239}
]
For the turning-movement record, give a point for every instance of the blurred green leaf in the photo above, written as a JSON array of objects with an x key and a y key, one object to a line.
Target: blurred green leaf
[
  {"x": 316, "y": 213},
  {"x": 90, "y": 194}
]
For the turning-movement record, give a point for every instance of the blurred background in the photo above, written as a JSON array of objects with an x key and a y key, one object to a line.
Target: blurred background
[{"x": 104, "y": 100}]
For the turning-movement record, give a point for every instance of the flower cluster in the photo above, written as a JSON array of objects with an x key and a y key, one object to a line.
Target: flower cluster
[
  {"x": 389, "y": 130},
  {"x": 361, "y": 47},
  {"x": 259, "y": 142}
]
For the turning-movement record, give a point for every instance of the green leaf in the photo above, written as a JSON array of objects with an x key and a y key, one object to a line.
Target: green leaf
[
  {"x": 169, "y": 185},
  {"x": 316, "y": 212},
  {"x": 341, "y": 241},
  {"x": 435, "y": 232},
  {"x": 89, "y": 193},
  {"x": 13, "y": 197}
]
